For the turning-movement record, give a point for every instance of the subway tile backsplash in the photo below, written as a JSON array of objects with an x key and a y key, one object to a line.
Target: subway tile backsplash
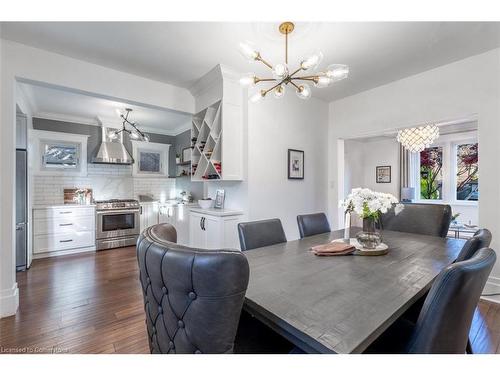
[{"x": 106, "y": 181}]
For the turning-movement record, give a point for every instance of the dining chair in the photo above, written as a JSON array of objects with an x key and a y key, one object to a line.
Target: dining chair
[
  {"x": 446, "y": 317},
  {"x": 163, "y": 232},
  {"x": 312, "y": 224},
  {"x": 419, "y": 218},
  {"x": 192, "y": 297},
  {"x": 482, "y": 238},
  {"x": 255, "y": 234}
]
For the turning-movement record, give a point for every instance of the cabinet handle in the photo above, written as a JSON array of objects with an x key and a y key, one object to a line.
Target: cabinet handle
[
  {"x": 140, "y": 211},
  {"x": 65, "y": 240},
  {"x": 201, "y": 223},
  {"x": 65, "y": 212},
  {"x": 204, "y": 223},
  {"x": 65, "y": 225}
]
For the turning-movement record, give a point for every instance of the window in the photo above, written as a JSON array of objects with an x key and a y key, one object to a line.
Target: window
[
  {"x": 431, "y": 173},
  {"x": 151, "y": 159},
  {"x": 467, "y": 183},
  {"x": 448, "y": 171},
  {"x": 61, "y": 155}
]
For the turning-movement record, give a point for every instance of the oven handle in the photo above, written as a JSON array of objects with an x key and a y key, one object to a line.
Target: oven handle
[{"x": 128, "y": 211}]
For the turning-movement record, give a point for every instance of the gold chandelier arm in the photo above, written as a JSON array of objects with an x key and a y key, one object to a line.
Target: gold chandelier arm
[
  {"x": 297, "y": 87},
  {"x": 257, "y": 80},
  {"x": 272, "y": 88},
  {"x": 298, "y": 70},
  {"x": 314, "y": 79},
  {"x": 259, "y": 58}
]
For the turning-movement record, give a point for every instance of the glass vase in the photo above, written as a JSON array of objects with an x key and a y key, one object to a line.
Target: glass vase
[{"x": 369, "y": 237}]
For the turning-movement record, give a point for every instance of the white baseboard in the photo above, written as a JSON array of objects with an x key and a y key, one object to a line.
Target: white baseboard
[
  {"x": 492, "y": 286},
  {"x": 64, "y": 252},
  {"x": 9, "y": 301}
]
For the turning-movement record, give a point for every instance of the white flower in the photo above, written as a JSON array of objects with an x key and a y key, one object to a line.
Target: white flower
[{"x": 376, "y": 203}]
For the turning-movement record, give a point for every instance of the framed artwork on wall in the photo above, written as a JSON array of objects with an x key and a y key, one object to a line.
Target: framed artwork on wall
[
  {"x": 383, "y": 174},
  {"x": 186, "y": 154},
  {"x": 295, "y": 164}
]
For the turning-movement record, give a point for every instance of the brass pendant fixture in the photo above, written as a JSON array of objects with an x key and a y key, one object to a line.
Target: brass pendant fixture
[{"x": 282, "y": 76}]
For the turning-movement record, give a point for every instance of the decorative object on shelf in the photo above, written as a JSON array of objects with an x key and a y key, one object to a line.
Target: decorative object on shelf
[
  {"x": 295, "y": 164},
  {"x": 383, "y": 174},
  {"x": 205, "y": 203},
  {"x": 369, "y": 205},
  {"x": 419, "y": 138},
  {"x": 407, "y": 194},
  {"x": 78, "y": 196},
  {"x": 134, "y": 134},
  {"x": 219, "y": 198},
  {"x": 282, "y": 75}
]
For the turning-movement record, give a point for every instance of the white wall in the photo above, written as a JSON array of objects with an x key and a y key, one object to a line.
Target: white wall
[
  {"x": 20, "y": 62},
  {"x": 454, "y": 91},
  {"x": 274, "y": 126}
]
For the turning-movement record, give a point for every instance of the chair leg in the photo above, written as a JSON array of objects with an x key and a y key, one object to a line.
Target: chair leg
[{"x": 468, "y": 349}]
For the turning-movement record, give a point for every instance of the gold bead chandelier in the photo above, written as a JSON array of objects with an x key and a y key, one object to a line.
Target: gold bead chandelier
[{"x": 282, "y": 76}]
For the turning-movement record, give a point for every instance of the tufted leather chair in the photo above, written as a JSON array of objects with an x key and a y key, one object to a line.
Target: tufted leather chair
[
  {"x": 255, "y": 234},
  {"x": 419, "y": 218},
  {"x": 480, "y": 239},
  {"x": 163, "y": 232},
  {"x": 445, "y": 320},
  {"x": 312, "y": 224},
  {"x": 192, "y": 298}
]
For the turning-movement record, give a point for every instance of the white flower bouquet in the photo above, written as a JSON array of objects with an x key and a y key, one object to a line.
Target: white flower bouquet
[{"x": 370, "y": 204}]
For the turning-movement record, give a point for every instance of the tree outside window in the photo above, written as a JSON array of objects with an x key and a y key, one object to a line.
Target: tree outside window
[
  {"x": 431, "y": 173},
  {"x": 467, "y": 188}
]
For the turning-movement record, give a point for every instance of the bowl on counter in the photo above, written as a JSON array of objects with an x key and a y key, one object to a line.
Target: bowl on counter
[{"x": 205, "y": 203}]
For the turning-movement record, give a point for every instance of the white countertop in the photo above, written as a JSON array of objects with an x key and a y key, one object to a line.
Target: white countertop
[
  {"x": 44, "y": 206},
  {"x": 217, "y": 211}
]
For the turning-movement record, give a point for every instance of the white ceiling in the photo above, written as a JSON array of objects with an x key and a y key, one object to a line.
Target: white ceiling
[
  {"x": 180, "y": 52},
  {"x": 56, "y": 104}
]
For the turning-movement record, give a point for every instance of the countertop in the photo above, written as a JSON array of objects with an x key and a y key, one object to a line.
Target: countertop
[{"x": 216, "y": 211}]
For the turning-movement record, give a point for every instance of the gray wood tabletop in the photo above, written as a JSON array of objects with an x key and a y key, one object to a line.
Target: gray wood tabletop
[{"x": 341, "y": 304}]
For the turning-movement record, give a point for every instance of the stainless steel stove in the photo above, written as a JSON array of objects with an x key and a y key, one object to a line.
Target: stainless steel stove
[{"x": 117, "y": 223}]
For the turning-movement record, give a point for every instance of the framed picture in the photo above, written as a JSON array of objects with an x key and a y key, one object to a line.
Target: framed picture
[
  {"x": 295, "y": 164},
  {"x": 383, "y": 174},
  {"x": 186, "y": 154},
  {"x": 219, "y": 198}
]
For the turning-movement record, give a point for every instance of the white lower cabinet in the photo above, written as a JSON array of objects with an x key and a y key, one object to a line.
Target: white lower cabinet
[
  {"x": 178, "y": 216},
  {"x": 213, "y": 229},
  {"x": 149, "y": 214},
  {"x": 61, "y": 230}
]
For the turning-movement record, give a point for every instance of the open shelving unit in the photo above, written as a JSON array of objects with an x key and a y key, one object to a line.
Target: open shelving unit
[{"x": 206, "y": 139}]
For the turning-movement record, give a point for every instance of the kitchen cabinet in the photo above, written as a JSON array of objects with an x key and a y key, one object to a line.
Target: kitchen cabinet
[
  {"x": 178, "y": 216},
  {"x": 149, "y": 214},
  {"x": 60, "y": 230},
  {"x": 214, "y": 229}
]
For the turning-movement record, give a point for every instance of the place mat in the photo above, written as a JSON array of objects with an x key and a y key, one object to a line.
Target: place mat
[{"x": 381, "y": 249}]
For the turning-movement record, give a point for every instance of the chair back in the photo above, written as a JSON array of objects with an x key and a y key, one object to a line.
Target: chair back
[
  {"x": 445, "y": 320},
  {"x": 192, "y": 297},
  {"x": 163, "y": 233},
  {"x": 255, "y": 234},
  {"x": 312, "y": 224},
  {"x": 480, "y": 239},
  {"x": 419, "y": 218}
]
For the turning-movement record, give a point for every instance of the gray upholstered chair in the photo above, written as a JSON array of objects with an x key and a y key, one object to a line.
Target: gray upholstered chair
[
  {"x": 419, "y": 218},
  {"x": 480, "y": 239},
  {"x": 312, "y": 224},
  {"x": 255, "y": 234},
  {"x": 192, "y": 297},
  {"x": 445, "y": 320},
  {"x": 163, "y": 232}
]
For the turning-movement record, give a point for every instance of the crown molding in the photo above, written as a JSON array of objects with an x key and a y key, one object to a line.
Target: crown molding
[{"x": 67, "y": 118}]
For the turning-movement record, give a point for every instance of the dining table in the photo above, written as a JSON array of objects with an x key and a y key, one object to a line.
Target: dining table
[{"x": 341, "y": 304}]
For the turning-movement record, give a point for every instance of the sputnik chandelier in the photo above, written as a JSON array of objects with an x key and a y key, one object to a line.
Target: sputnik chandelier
[
  {"x": 133, "y": 133},
  {"x": 419, "y": 138},
  {"x": 282, "y": 76}
]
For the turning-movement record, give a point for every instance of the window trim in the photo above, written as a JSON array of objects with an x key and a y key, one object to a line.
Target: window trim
[{"x": 162, "y": 148}]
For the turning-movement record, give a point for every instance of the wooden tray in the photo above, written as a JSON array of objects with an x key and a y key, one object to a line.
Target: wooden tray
[{"x": 381, "y": 249}]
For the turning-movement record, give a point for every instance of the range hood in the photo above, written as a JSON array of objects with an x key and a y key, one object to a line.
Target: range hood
[{"x": 112, "y": 151}]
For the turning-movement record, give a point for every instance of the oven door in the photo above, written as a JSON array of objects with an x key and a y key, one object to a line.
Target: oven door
[{"x": 117, "y": 223}]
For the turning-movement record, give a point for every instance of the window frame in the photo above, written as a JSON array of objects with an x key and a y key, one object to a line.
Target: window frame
[
  {"x": 151, "y": 147},
  {"x": 449, "y": 143}
]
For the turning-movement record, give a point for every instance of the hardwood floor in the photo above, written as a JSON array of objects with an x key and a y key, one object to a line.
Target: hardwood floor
[{"x": 92, "y": 303}]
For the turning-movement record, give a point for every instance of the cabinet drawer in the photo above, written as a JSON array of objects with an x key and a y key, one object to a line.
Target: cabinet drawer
[
  {"x": 63, "y": 212},
  {"x": 63, "y": 225},
  {"x": 53, "y": 242}
]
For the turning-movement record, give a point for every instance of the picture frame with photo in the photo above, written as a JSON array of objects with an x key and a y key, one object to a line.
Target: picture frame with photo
[
  {"x": 295, "y": 164},
  {"x": 219, "y": 198},
  {"x": 383, "y": 174}
]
